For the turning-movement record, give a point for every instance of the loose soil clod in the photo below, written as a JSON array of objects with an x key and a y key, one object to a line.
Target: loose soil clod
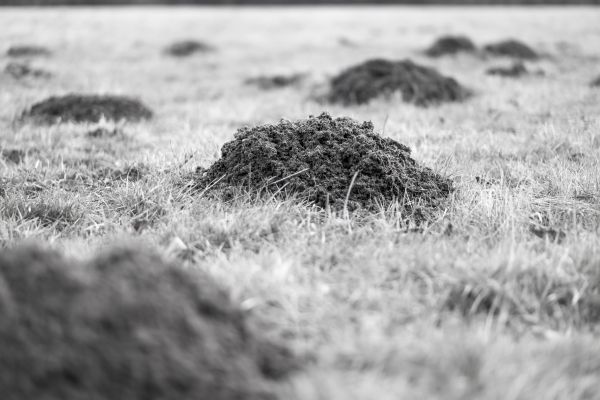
[
  {"x": 449, "y": 45},
  {"x": 87, "y": 108},
  {"x": 324, "y": 160},
  {"x": 512, "y": 48},
  {"x": 516, "y": 70},
  {"x": 28, "y": 51},
  {"x": 420, "y": 85},
  {"x": 126, "y": 325},
  {"x": 187, "y": 48},
  {"x": 275, "y": 81},
  {"x": 22, "y": 70}
]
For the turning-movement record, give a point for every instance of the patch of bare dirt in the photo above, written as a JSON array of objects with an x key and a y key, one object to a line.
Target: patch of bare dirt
[
  {"x": 126, "y": 326},
  {"x": 423, "y": 86}
]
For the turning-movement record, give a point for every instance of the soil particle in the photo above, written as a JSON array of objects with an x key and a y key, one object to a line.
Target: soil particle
[
  {"x": 449, "y": 45},
  {"x": 417, "y": 84},
  {"x": 514, "y": 71},
  {"x": 28, "y": 51},
  {"x": 511, "y": 48},
  {"x": 87, "y": 108},
  {"x": 187, "y": 48},
  {"x": 126, "y": 326},
  {"x": 324, "y": 160},
  {"x": 22, "y": 70},
  {"x": 275, "y": 81}
]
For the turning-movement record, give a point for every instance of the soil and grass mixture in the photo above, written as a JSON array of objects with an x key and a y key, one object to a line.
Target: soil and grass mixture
[
  {"x": 449, "y": 45},
  {"x": 126, "y": 326},
  {"x": 511, "y": 48},
  {"x": 325, "y": 160},
  {"x": 87, "y": 108},
  {"x": 423, "y": 86}
]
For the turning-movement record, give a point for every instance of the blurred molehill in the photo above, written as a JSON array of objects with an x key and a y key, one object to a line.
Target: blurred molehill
[{"x": 291, "y": 2}]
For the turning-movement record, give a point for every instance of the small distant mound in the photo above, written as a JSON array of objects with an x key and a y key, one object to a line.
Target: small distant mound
[
  {"x": 512, "y": 48},
  {"x": 449, "y": 45},
  {"x": 19, "y": 71},
  {"x": 516, "y": 70},
  {"x": 420, "y": 85},
  {"x": 595, "y": 82},
  {"x": 126, "y": 325},
  {"x": 329, "y": 162},
  {"x": 275, "y": 81},
  {"x": 87, "y": 108},
  {"x": 28, "y": 51},
  {"x": 187, "y": 48}
]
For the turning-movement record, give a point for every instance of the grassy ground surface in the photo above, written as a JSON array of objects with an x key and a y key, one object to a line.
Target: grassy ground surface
[{"x": 497, "y": 298}]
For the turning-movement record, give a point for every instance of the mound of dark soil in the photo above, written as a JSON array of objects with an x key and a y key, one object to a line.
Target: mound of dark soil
[
  {"x": 275, "y": 81},
  {"x": 125, "y": 326},
  {"x": 448, "y": 45},
  {"x": 420, "y": 85},
  {"x": 595, "y": 82},
  {"x": 22, "y": 70},
  {"x": 187, "y": 48},
  {"x": 318, "y": 159},
  {"x": 15, "y": 156},
  {"x": 514, "y": 71},
  {"x": 512, "y": 48},
  {"x": 87, "y": 108},
  {"x": 28, "y": 51}
]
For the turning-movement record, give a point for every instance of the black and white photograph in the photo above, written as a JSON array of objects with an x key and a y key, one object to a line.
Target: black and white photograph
[{"x": 299, "y": 200}]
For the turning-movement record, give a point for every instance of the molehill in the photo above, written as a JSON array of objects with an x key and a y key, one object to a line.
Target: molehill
[
  {"x": 186, "y": 48},
  {"x": 87, "y": 108},
  {"x": 420, "y": 85},
  {"x": 448, "y": 45},
  {"x": 318, "y": 158},
  {"x": 28, "y": 51},
  {"x": 126, "y": 326},
  {"x": 511, "y": 48}
]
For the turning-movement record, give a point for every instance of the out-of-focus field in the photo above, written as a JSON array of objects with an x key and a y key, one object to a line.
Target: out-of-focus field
[{"x": 498, "y": 298}]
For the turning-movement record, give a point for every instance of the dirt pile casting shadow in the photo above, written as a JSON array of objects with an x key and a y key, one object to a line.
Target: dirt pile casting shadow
[
  {"x": 511, "y": 48},
  {"x": 28, "y": 51},
  {"x": 19, "y": 71},
  {"x": 187, "y": 48},
  {"x": 275, "y": 81},
  {"x": 449, "y": 45},
  {"x": 420, "y": 85},
  {"x": 125, "y": 326},
  {"x": 516, "y": 70},
  {"x": 318, "y": 158},
  {"x": 87, "y": 108}
]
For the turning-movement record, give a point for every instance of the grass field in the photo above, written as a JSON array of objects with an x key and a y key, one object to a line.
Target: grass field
[{"x": 498, "y": 297}]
